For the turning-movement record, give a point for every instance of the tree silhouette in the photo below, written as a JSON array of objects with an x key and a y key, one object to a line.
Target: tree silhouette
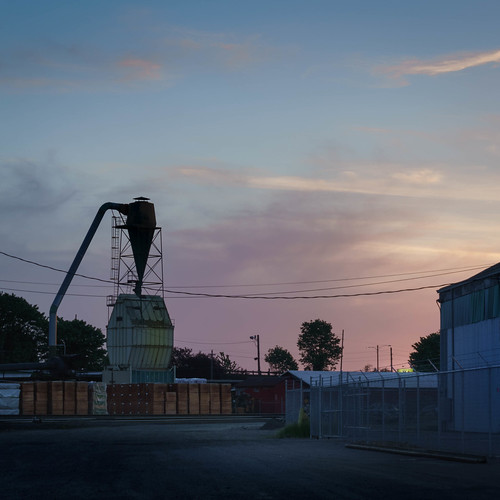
[
  {"x": 201, "y": 365},
  {"x": 426, "y": 350},
  {"x": 280, "y": 360},
  {"x": 23, "y": 330},
  {"x": 84, "y": 340},
  {"x": 319, "y": 347}
]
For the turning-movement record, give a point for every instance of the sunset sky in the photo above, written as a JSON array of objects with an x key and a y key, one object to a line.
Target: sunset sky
[{"x": 295, "y": 148}]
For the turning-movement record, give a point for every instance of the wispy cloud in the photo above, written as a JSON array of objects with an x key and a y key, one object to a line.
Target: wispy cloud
[
  {"x": 70, "y": 68},
  {"x": 444, "y": 64},
  {"x": 389, "y": 180},
  {"x": 217, "y": 50},
  {"x": 398, "y": 182},
  {"x": 421, "y": 177},
  {"x": 140, "y": 69},
  {"x": 76, "y": 65}
]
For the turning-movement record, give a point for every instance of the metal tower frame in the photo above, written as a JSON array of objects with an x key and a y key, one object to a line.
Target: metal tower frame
[{"x": 123, "y": 272}]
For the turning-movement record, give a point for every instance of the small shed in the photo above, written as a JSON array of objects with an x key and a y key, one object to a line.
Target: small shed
[{"x": 260, "y": 394}]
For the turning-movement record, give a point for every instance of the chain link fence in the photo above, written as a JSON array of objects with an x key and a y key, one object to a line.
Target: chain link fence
[{"x": 455, "y": 411}]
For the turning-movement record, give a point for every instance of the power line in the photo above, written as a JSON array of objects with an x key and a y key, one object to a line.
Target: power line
[
  {"x": 50, "y": 284},
  {"x": 53, "y": 268},
  {"x": 354, "y": 286},
  {"x": 52, "y": 293},
  {"x": 442, "y": 271},
  {"x": 265, "y": 296},
  {"x": 212, "y": 343},
  {"x": 304, "y": 297}
]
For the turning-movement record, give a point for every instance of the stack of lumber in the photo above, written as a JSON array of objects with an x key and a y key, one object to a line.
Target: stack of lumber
[
  {"x": 41, "y": 398},
  {"x": 159, "y": 391},
  {"x": 130, "y": 399},
  {"x": 204, "y": 399},
  {"x": 82, "y": 398},
  {"x": 28, "y": 398},
  {"x": 181, "y": 390},
  {"x": 194, "y": 399},
  {"x": 225, "y": 397},
  {"x": 214, "y": 399}
]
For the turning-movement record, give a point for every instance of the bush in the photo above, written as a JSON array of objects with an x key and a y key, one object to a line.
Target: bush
[{"x": 300, "y": 429}]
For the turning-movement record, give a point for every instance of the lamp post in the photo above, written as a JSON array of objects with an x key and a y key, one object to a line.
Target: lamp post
[{"x": 256, "y": 338}]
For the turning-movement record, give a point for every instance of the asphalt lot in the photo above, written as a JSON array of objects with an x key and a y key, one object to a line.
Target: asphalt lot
[{"x": 163, "y": 459}]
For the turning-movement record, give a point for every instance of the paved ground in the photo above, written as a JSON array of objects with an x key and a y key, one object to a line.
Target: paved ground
[{"x": 237, "y": 460}]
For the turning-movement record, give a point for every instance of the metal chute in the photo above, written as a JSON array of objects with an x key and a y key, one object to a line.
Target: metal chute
[{"x": 141, "y": 224}]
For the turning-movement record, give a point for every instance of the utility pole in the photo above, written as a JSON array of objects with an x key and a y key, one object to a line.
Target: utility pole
[
  {"x": 342, "y": 351},
  {"x": 377, "y": 347},
  {"x": 256, "y": 338},
  {"x": 378, "y": 357}
]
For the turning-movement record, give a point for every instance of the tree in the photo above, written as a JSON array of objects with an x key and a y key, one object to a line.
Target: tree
[
  {"x": 201, "y": 365},
  {"x": 426, "y": 350},
  {"x": 227, "y": 365},
  {"x": 280, "y": 360},
  {"x": 319, "y": 347},
  {"x": 87, "y": 341},
  {"x": 23, "y": 330}
]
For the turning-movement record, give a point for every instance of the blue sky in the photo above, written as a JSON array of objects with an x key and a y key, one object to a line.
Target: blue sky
[{"x": 281, "y": 142}]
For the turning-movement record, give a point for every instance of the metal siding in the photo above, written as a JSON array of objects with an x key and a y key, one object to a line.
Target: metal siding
[
  {"x": 143, "y": 338},
  {"x": 477, "y": 344}
]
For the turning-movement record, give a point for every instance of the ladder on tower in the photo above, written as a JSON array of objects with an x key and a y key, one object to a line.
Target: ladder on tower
[{"x": 115, "y": 258}]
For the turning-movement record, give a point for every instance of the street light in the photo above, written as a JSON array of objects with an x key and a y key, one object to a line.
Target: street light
[{"x": 257, "y": 341}]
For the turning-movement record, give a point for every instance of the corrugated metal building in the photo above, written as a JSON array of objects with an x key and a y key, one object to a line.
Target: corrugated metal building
[
  {"x": 470, "y": 321},
  {"x": 470, "y": 348},
  {"x": 140, "y": 339},
  {"x": 375, "y": 379}
]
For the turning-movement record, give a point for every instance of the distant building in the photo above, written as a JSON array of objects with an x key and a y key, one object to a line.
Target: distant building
[
  {"x": 470, "y": 349},
  {"x": 260, "y": 394}
]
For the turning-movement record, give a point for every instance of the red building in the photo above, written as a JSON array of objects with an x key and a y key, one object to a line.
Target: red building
[{"x": 260, "y": 394}]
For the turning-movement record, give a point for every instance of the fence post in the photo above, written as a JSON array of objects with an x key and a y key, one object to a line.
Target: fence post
[
  {"x": 383, "y": 410},
  {"x": 399, "y": 408},
  {"x": 340, "y": 427},
  {"x": 287, "y": 408},
  {"x": 463, "y": 411},
  {"x": 301, "y": 403},
  {"x": 320, "y": 396},
  {"x": 418, "y": 407},
  {"x": 490, "y": 415}
]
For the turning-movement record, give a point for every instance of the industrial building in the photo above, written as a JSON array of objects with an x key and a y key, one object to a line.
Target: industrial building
[{"x": 470, "y": 353}]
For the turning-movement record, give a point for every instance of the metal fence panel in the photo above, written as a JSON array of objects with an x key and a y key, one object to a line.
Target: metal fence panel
[{"x": 453, "y": 411}]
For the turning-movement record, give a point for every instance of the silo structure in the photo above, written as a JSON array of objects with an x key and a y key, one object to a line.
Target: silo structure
[
  {"x": 140, "y": 331},
  {"x": 140, "y": 340}
]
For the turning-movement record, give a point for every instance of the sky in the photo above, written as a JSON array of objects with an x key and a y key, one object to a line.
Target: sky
[{"x": 293, "y": 148}]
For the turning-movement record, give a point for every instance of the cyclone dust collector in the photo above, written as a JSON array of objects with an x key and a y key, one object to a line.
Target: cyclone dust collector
[{"x": 140, "y": 331}]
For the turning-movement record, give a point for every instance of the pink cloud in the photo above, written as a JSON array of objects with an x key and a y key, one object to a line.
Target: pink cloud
[
  {"x": 141, "y": 69},
  {"x": 444, "y": 64}
]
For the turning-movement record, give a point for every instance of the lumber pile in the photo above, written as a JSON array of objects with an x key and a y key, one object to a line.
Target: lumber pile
[{"x": 82, "y": 398}]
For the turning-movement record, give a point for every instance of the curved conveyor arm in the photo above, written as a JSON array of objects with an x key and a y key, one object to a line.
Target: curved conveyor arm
[{"x": 120, "y": 207}]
